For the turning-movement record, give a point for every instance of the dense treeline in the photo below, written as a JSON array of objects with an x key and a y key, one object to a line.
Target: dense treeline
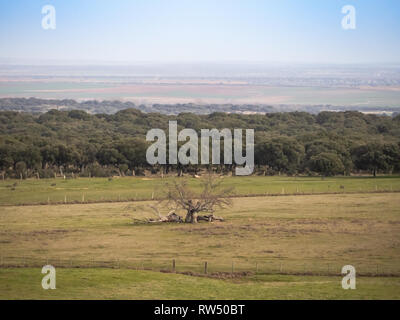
[
  {"x": 35, "y": 105},
  {"x": 75, "y": 143}
]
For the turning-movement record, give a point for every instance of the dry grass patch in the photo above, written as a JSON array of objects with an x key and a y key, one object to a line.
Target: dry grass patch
[{"x": 294, "y": 230}]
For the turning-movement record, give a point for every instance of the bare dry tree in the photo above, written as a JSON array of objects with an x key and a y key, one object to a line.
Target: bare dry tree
[{"x": 179, "y": 195}]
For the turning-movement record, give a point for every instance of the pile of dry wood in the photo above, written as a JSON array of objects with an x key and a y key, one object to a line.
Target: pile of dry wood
[{"x": 172, "y": 217}]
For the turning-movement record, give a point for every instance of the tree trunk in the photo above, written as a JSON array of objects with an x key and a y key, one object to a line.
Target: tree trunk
[{"x": 189, "y": 217}]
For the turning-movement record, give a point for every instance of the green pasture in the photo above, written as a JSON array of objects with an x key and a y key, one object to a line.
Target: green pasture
[
  {"x": 131, "y": 284},
  {"x": 56, "y": 191}
]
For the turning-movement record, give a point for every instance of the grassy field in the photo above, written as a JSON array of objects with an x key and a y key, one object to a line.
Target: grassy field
[
  {"x": 131, "y": 284},
  {"x": 268, "y": 247},
  {"x": 14, "y": 192}
]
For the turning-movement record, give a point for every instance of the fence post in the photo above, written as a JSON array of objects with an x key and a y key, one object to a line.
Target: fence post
[
  {"x": 173, "y": 265},
  {"x": 205, "y": 267},
  {"x": 256, "y": 267},
  {"x": 280, "y": 268},
  {"x": 232, "y": 267}
]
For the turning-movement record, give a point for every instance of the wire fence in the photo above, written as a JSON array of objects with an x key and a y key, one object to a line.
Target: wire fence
[{"x": 213, "y": 267}]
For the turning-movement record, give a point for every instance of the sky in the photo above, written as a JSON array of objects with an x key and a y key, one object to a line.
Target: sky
[{"x": 130, "y": 31}]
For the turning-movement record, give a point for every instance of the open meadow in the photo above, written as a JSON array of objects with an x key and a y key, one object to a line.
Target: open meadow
[
  {"x": 291, "y": 246},
  {"x": 138, "y": 285},
  {"x": 86, "y": 190}
]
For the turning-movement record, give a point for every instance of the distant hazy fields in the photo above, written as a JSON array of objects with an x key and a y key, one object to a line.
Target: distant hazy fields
[{"x": 193, "y": 91}]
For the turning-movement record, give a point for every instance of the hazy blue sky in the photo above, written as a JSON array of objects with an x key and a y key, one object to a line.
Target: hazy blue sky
[{"x": 201, "y": 30}]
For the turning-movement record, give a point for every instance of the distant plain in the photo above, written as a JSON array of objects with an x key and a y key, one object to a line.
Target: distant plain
[{"x": 195, "y": 92}]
